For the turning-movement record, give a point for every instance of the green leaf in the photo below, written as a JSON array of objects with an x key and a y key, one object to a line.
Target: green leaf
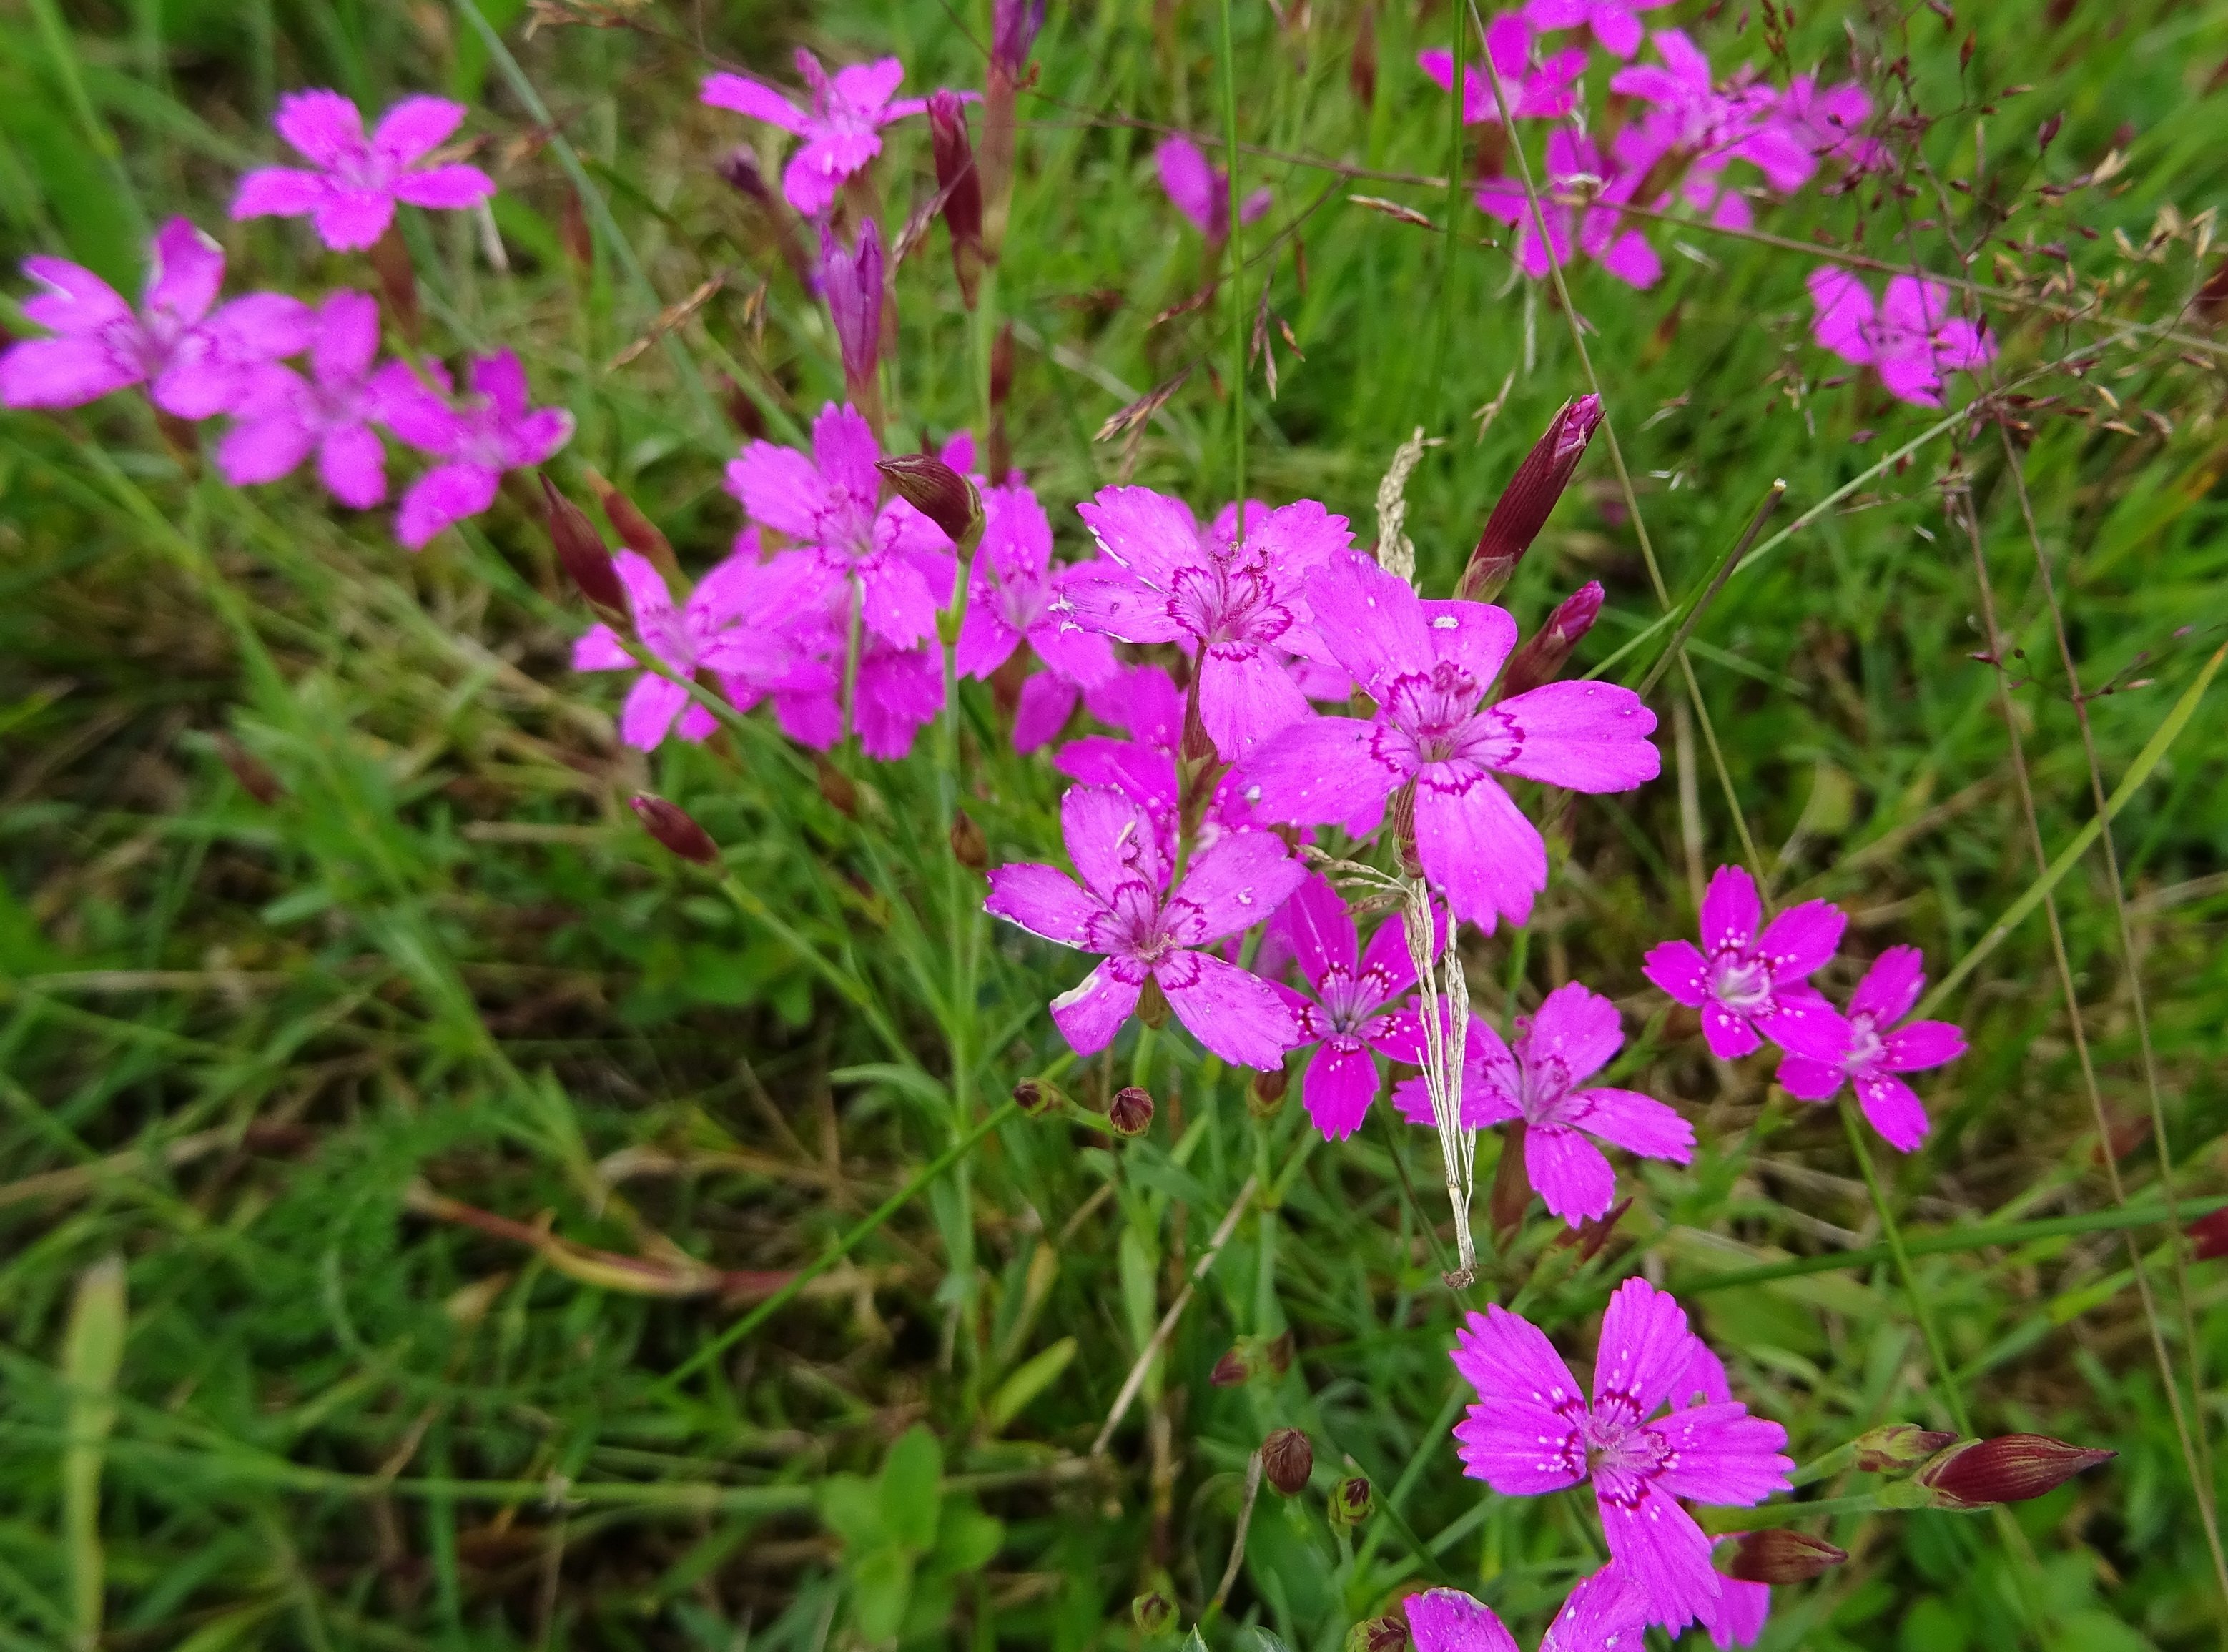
[
  {"x": 912, "y": 1489},
  {"x": 92, "y": 1351},
  {"x": 882, "y": 1583},
  {"x": 852, "y": 1509},
  {"x": 1032, "y": 1378},
  {"x": 967, "y": 1539}
]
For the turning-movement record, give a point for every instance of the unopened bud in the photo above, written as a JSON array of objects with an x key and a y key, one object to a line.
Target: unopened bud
[
  {"x": 937, "y": 492},
  {"x": 1523, "y": 507},
  {"x": 1378, "y": 1635},
  {"x": 255, "y": 777},
  {"x": 742, "y": 411},
  {"x": 1153, "y": 1611},
  {"x": 739, "y": 166},
  {"x": 1233, "y": 1369},
  {"x": 836, "y": 787},
  {"x": 1013, "y": 25},
  {"x": 2048, "y": 131},
  {"x": 671, "y": 826},
  {"x": 1287, "y": 1460},
  {"x": 1400, "y": 815},
  {"x": 1542, "y": 657},
  {"x": 1893, "y": 1446},
  {"x": 1002, "y": 365},
  {"x": 851, "y": 281},
  {"x": 961, "y": 186},
  {"x": 580, "y": 549},
  {"x": 968, "y": 846},
  {"x": 1512, "y": 1187},
  {"x": 1036, "y": 1098},
  {"x": 1264, "y": 1093},
  {"x": 2208, "y": 1235},
  {"x": 2010, "y": 1468},
  {"x": 1351, "y": 1502},
  {"x": 1130, "y": 1112},
  {"x": 1781, "y": 1556},
  {"x": 1152, "y": 1005},
  {"x": 398, "y": 279},
  {"x": 636, "y": 532},
  {"x": 1589, "y": 1236},
  {"x": 573, "y": 232}
]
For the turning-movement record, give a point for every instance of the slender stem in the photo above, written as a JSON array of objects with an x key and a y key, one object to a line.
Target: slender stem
[
  {"x": 1944, "y": 1374},
  {"x": 1722, "y": 572},
  {"x": 1237, "y": 269}
]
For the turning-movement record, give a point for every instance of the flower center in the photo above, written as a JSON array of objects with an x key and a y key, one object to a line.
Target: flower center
[
  {"x": 1613, "y": 1446},
  {"x": 1865, "y": 1041},
  {"x": 1434, "y": 711},
  {"x": 1741, "y": 980}
]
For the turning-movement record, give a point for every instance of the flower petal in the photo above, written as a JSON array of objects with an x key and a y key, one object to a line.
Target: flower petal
[
  {"x": 1731, "y": 909},
  {"x": 1476, "y": 845},
  {"x": 1722, "y": 1455},
  {"x": 1043, "y": 902},
  {"x": 1894, "y": 1109},
  {"x": 348, "y": 221},
  {"x": 322, "y": 124},
  {"x": 1447, "y": 1620},
  {"x": 414, "y": 127},
  {"x": 651, "y": 706},
  {"x": 755, "y": 98},
  {"x": 1090, "y": 1014},
  {"x": 445, "y": 187},
  {"x": 1568, "y": 1172},
  {"x": 185, "y": 271},
  {"x": 1678, "y": 968},
  {"x": 445, "y": 494},
  {"x": 1645, "y": 1348},
  {"x": 61, "y": 373},
  {"x": 1526, "y": 1435},
  {"x": 1371, "y": 622},
  {"x": 1245, "y": 696},
  {"x": 1921, "y": 1045},
  {"x": 1239, "y": 880},
  {"x": 1047, "y": 703},
  {"x": 278, "y": 192},
  {"x": 1575, "y": 1030},
  {"x": 1314, "y": 920},
  {"x": 264, "y": 450},
  {"x": 1325, "y": 769},
  {"x": 1891, "y": 987},
  {"x": 1342, "y": 1083},
  {"x": 1803, "y": 939},
  {"x": 1233, "y": 1013}
]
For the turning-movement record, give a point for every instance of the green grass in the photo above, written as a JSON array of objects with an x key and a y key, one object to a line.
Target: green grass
[{"x": 248, "y": 1050}]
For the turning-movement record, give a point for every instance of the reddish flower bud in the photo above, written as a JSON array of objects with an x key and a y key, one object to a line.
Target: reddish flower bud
[
  {"x": 1130, "y": 1112},
  {"x": 1512, "y": 1187},
  {"x": 2209, "y": 1234},
  {"x": 1153, "y": 1611},
  {"x": 580, "y": 548},
  {"x": 1013, "y": 25},
  {"x": 851, "y": 281},
  {"x": 1351, "y": 1502},
  {"x": 1002, "y": 365},
  {"x": 671, "y": 826},
  {"x": 1233, "y": 1369},
  {"x": 937, "y": 492},
  {"x": 636, "y": 532},
  {"x": 1892, "y": 1446},
  {"x": 1036, "y": 1098},
  {"x": 961, "y": 186},
  {"x": 1264, "y": 1093},
  {"x": 1542, "y": 657},
  {"x": 1287, "y": 1460},
  {"x": 2010, "y": 1468},
  {"x": 1386, "y": 1634},
  {"x": 1781, "y": 1556},
  {"x": 739, "y": 166},
  {"x": 254, "y": 776},
  {"x": 398, "y": 280},
  {"x": 968, "y": 846},
  {"x": 1522, "y": 509},
  {"x": 835, "y": 786}
]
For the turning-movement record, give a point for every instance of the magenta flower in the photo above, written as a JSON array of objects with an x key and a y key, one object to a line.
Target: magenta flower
[
  {"x": 1145, "y": 703},
  {"x": 1827, "y": 122},
  {"x": 195, "y": 363},
  {"x": 1911, "y": 338},
  {"x": 350, "y": 196},
  {"x": 1201, "y": 191},
  {"x": 1736, "y": 1617},
  {"x": 1545, "y": 90},
  {"x": 490, "y": 430},
  {"x": 843, "y": 130},
  {"x": 1615, "y": 27},
  {"x": 1236, "y": 604},
  {"x": 1604, "y": 1613},
  {"x": 1428, "y": 666},
  {"x": 852, "y": 283},
  {"x": 1746, "y": 984},
  {"x": 1126, "y": 913},
  {"x": 826, "y": 504},
  {"x": 736, "y": 623},
  {"x": 1570, "y": 1039},
  {"x": 1011, "y": 597},
  {"x": 896, "y": 692},
  {"x": 1692, "y": 116},
  {"x": 1873, "y": 1054},
  {"x": 1532, "y": 1433},
  {"x": 1574, "y": 163},
  {"x": 1146, "y": 775},
  {"x": 280, "y": 418},
  {"x": 1350, "y": 1013}
]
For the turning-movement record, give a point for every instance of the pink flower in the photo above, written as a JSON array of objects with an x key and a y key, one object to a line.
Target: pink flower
[
  {"x": 736, "y": 623},
  {"x": 1146, "y": 775},
  {"x": 1235, "y": 605},
  {"x": 1013, "y": 25},
  {"x": 1126, "y": 913},
  {"x": 1872, "y": 1055},
  {"x": 280, "y": 416},
  {"x": 1605, "y": 1612},
  {"x": 1736, "y": 1617},
  {"x": 350, "y": 196},
  {"x": 896, "y": 691},
  {"x": 1828, "y": 122},
  {"x": 1912, "y": 339},
  {"x": 1532, "y": 1432},
  {"x": 1615, "y": 27},
  {"x": 1745, "y": 984},
  {"x": 1692, "y": 115},
  {"x": 1571, "y": 1038},
  {"x": 1428, "y": 667},
  {"x": 1547, "y": 92},
  {"x": 195, "y": 363},
  {"x": 1574, "y": 166},
  {"x": 1010, "y": 600},
  {"x": 852, "y": 282},
  {"x": 842, "y": 133},
  {"x": 826, "y": 504},
  {"x": 1202, "y": 192},
  {"x": 478, "y": 438},
  {"x": 1350, "y": 1012}
]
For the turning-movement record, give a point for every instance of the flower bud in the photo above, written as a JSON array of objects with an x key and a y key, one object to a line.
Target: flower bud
[
  {"x": 1401, "y": 816},
  {"x": 968, "y": 846},
  {"x": 1153, "y": 1611},
  {"x": 837, "y": 789},
  {"x": 1781, "y": 1556},
  {"x": 1542, "y": 657},
  {"x": 1386, "y": 1634},
  {"x": 961, "y": 186},
  {"x": 2208, "y": 1235},
  {"x": 937, "y": 492},
  {"x": 739, "y": 166},
  {"x": 1264, "y": 1093},
  {"x": 1893, "y": 1446},
  {"x": 851, "y": 281},
  {"x": 636, "y": 532},
  {"x": 1130, "y": 1112},
  {"x": 1013, "y": 25},
  {"x": 1153, "y": 1005},
  {"x": 1036, "y": 1098},
  {"x": 1512, "y": 1187},
  {"x": 253, "y": 774},
  {"x": 741, "y": 410},
  {"x": 1523, "y": 507},
  {"x": 1351, "y": 1502},
  {"x": 671, "y": 826},
  {"x": 2010, "y": 1468},
  {"x": 580, "y": 548},
  {"x": 1287, "y": 1460},
  {"x": 1234, "y": 1369},
  {"x": 398, "y": 280}
]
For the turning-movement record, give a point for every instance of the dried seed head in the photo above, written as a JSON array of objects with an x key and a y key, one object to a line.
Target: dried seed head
[
  {"x": 968, "y": 846},
  {"x": 1130, "y": 1112},
  {"x": 671, "y": 826},
  {"x": 1892, "y": 1446},
  {"x": 937, "y": 492},
  {"x": 1523, "y": 507},
  {"x": 1351, "y": 1501},
  {"x": 1287, "y": 1460},
  {"x": 1782, "y": 1557},
  {"x": 2010, "y": 1468},
  {"x": 1153, "y": 1611},
  {"x": 1542, "y": 657},
  {"x": 580, "y": 549}
]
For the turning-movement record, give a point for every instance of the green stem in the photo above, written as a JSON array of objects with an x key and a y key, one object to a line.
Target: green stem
[
  {"x": 1237, "y": 271},
  {"x": 1944, "y": 1372}
]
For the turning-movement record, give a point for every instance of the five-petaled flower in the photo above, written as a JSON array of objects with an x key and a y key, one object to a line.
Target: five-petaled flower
[
  {"x": 1542, "y": 1081},
  {"x": 1616, "y": 30},
  {"x": 1428, "y": 666},
  {"x": 1012, "y": 598},
  {"x": 842, "y": 130},
  {"x": 1201, "y": 190},
  {"x": 1126, "y": 913},
  {"x": 1533, "y": 1431},
  {"x": 1604, "y": 1613},
  {"x": 350, "y": 194},
  {"x": 1877, "y": 1050},
  {"x": 1911, "y": 338},
  {"x": 280, "y": 418},
  {"x": 1746, "y": 984},
  {"x": 1238, "y": 604},
  {"x": 1546, "y": 92},
  {"x": 194, "y": 363},
  {"x": 1574, "y": 163},
  {"x": 490, "y": 430}
]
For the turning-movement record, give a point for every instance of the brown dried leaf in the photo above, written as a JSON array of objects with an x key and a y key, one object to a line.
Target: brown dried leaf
[{"x": 1135, "y": 415}]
